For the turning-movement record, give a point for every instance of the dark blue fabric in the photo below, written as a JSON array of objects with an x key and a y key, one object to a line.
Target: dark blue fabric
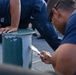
[
  {"x": 4, "y": 5},
  {"x": 4, "y": 8},
  {"x": 70, "y": 32},
  {"x": 75, "y": 74},
  {"x": 45, "y": 28},
  {"x": 37, "y": 10},
  {"x": 46, "y": 1}
]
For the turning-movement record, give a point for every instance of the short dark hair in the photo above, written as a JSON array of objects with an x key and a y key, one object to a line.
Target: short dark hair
[{"x": 66, "y": 5}]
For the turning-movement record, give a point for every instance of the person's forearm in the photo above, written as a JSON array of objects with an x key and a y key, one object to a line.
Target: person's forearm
[{"x": 15, "y": 11}]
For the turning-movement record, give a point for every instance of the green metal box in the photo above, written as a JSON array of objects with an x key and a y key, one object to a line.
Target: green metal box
[{"x": 15, "y": 48}]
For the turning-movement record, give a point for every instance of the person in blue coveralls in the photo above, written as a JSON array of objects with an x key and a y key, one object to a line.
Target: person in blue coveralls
[
  {"x": 63, "y": 17},
  {"x": 16, "y": 14}
]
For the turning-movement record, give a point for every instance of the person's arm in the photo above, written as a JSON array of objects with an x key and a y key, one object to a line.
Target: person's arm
[
  {"x": 15, "y": 10},
  {"x": 63, "y": 60}
]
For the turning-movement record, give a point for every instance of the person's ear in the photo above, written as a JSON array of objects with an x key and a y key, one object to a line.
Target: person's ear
[{"x": 55, "y": 13}]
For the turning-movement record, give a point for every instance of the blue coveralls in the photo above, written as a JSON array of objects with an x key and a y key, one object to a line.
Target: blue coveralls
[
  {"x": 46, "y": 1},
  {"x": 34, "y": 11}
]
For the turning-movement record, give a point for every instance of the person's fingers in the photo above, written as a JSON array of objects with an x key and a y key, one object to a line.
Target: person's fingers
[
  {"x": 2, "y": 30},
  {"x": 46, "y": 57},
  {"x": 11, "y": 30},
  {"x": 43, "y": 55},
  {"x": 7, "y": 30},
  {"x": 43, "y": 52},
  {"x": 43, "y": 59}
]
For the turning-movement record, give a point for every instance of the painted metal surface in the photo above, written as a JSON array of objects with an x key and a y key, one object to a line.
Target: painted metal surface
[{"x": 15, "y": 48}]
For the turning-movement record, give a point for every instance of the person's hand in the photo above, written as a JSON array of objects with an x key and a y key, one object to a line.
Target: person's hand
[
  {"x": 8, "y": 29},
  {"x": 46, "y": 57}
]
